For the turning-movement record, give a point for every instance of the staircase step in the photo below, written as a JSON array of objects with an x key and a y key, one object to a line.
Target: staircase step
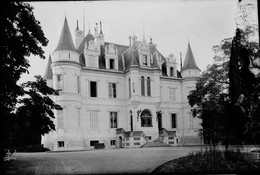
[{"x": 155, "y": 144}]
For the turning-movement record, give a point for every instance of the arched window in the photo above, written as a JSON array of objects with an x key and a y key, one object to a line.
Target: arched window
[
  {"x": 148, "y": 87},
  {"x": 142, "y": 86},
  {"x": 146, "y": 118}
]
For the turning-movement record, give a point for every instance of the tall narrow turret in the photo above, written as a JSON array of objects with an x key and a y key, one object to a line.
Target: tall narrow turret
[
  {"x": 65, "y": 50},
  {"x": 190, "y": 68}
]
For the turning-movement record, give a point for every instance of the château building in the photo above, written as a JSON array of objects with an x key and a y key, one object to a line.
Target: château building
[{"x": 119, "y": 95}]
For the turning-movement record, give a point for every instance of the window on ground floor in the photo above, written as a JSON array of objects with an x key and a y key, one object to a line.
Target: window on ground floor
[
  {"x": 60, "y": 144},
  {"x": 93, "y": 142},
  {"x": 112, "y": 142},
  {"x": 174, "y": 120},
  {"x": 146, "y": 118}
]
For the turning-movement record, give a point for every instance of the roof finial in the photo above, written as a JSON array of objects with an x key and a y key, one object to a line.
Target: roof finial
[
  {"x": 88, "y": 27},
  {"x": 101, "y": 28},
  {"x": 143, "y": 33}
]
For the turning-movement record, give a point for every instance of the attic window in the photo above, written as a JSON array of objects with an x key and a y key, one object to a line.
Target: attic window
[
  {"x": 172, "y": 71},
  {"x": 69, "y": 55},
  {"x": 112, "y": 64},
  {"x": 145, "y": 60}
]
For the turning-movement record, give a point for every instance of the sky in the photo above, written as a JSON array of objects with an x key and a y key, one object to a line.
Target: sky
[{"x": 170, "y": 24}]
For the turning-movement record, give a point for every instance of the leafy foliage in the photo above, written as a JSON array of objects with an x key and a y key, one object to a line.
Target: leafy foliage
[
  {"x": 217, "y": 93},
  {"x": 21, "y": 36},
  {"x": 34, "y": 117}
]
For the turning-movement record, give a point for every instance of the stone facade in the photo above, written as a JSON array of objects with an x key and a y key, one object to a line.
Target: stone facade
[{"x": 106, "y": 86}]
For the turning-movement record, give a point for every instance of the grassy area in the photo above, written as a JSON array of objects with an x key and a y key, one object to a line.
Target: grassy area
[{"x": 210, "y": 162}]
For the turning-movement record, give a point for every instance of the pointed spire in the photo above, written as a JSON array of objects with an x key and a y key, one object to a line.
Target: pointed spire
[
  {"x": 143, "y": 33},
  {"x": 101, "y": 28},
  {"x": 189, "y": 62},
  {"x": 88, "y": 28},
  {"x": 66, "y": 42},
  {"x": 48, "y": 71}
]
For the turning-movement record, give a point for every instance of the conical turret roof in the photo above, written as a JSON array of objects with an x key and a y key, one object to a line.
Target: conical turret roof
[
  {"x": 66, "y": 42},
  {"x": 48, "y": 71},
  {"x": 189, "y": 62}
]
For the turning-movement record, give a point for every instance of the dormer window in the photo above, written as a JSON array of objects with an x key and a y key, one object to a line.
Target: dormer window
[
  {"x": 145, "y": 60},
  {"x": 92, "y": 61},
  {"x": 111, "y": 64},
  {"x": 171, "y": 71},
  {"x": 69, "y": 55}
]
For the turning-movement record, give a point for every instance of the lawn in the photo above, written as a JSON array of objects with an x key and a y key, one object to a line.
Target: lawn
[{"x": 211, "y": 162}]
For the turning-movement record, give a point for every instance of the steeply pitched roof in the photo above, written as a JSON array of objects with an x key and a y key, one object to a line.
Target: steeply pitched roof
[
  {"x": 66, "y": 42},
  {"x": 85, "y": 40},
  {"x": 189, "y": 62},
  {"x": 48, "y": 71}
]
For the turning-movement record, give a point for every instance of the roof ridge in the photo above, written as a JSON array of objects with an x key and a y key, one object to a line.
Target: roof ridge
[{"x": 118, "y": 44}]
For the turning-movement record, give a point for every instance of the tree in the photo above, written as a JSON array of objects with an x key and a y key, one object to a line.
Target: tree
[
  {"x": 227, "y": 94},
  {"x": 211, "y": 96},
  {"x": 34, "y": 115},
  {"x": 21, "y": 36}
]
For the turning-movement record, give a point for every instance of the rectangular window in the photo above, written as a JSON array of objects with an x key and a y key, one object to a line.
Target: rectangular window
[
  {"x": 112, "y": 142},
  {"x": 113, "y": 119},
  {"x": 112, "y": 64},
  {"x": 91, "y": 61},
  {"x": 60, "y": 119},
  {"x": 59, "y": 82},
  {"x": 112, "y": 90},
  {"x": 172, "y": 94},
  {"x": 136, "y": 138},
  {"x": 93, "y": 89},
  {"x": 174, "y": 124},
  {"x": 145, "y": 60},
  {"x": 78, "y": 84},
  {"x": 171, "y": 71},
  {"x": 189, "y": 89},
  {"x": 60, "y": 144},
  {"x": 93, "y": 142},
  {"x": 136, "y": 143},
  {"x": 93, "y": 119}
]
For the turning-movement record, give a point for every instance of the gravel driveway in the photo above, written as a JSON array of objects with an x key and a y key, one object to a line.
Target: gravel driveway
[{"x": 137, "y": 160}]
